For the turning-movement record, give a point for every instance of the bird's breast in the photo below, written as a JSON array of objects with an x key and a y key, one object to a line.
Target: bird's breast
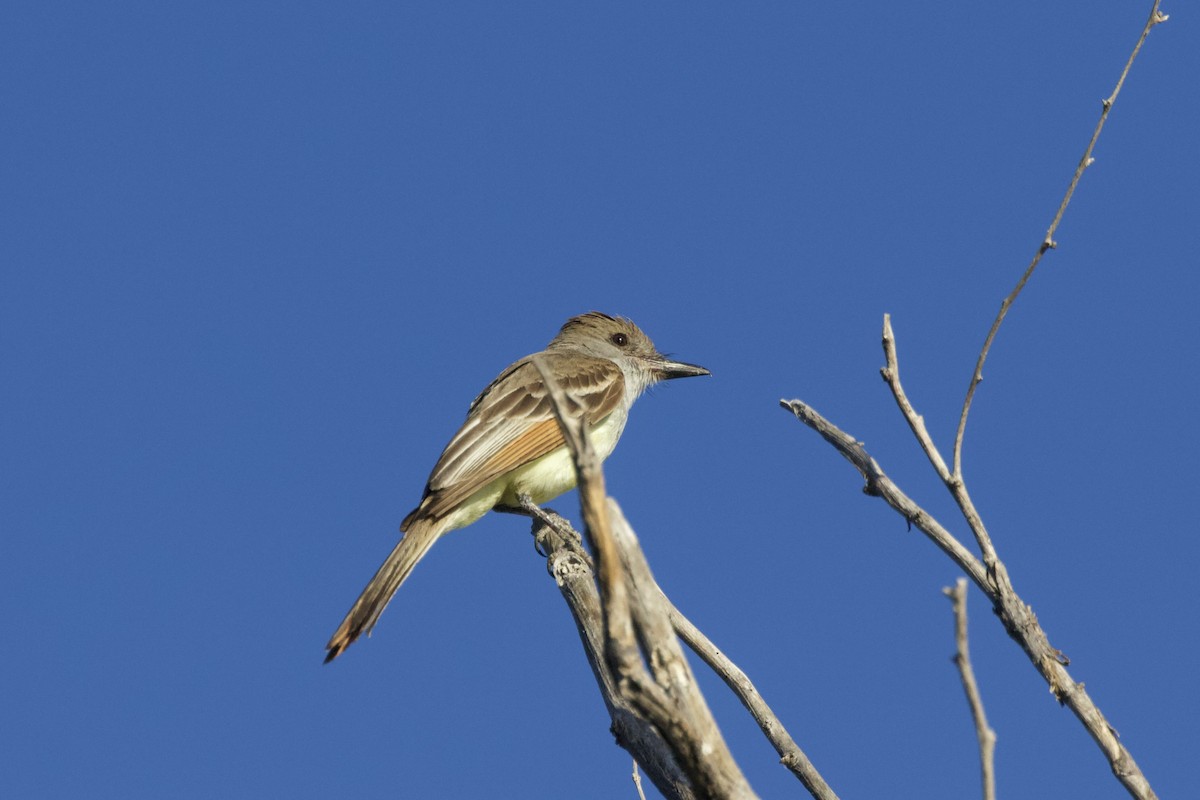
[{"x": 549, "y": 476}]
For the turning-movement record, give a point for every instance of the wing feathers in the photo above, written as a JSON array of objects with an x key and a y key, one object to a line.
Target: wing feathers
[{"x": 512, "y": 423}]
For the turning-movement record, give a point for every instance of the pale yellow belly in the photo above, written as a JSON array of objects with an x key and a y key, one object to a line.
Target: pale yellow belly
[{"x": 543, "y": 479}]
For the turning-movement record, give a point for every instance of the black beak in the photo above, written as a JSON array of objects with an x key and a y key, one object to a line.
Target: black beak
[{"x": 666, "y": 370}]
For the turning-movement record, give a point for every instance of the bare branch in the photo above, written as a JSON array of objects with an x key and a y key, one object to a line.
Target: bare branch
[
  {"x": 962, "y": 659},
  {"x": 1156, "y": 16},
  {"x": 1018, "y": 618},
  {"x": 688, "y": 725}
]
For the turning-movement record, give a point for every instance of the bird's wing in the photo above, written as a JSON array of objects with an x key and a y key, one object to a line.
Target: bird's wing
[{"x": 512, "y": 423}]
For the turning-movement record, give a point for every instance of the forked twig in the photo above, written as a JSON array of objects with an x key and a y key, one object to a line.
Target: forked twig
[{"x": 916, "y": 423}]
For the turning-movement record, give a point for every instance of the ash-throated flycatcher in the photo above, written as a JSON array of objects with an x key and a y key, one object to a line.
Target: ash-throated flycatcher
[{"x": 511, "y": 445}]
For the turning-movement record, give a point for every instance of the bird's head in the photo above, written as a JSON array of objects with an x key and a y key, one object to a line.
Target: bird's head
[{"x": 620, "y": 340}]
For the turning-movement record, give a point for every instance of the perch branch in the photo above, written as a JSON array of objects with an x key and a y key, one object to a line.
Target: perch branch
[
  {"x": 572, "y": 570},
  {"x": 637, "y": 630},
  {"x": 580, "y": 573}
]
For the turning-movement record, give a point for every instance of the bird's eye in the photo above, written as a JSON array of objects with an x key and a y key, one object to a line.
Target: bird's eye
[{"x": 619, "y": 339}]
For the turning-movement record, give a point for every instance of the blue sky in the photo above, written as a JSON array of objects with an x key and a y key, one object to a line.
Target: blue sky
[{"x": 258, "y": 259}]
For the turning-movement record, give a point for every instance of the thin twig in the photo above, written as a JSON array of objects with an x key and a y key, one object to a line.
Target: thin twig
[
  {"x": 962, "y": 659},
  {"x": 891, "y": 375},
  {"x": 622, "y": 644},
  {"x": 790, "y": 754},
  {"x": 1048, "y": 242},
  {"x": 637, "y": 781}
]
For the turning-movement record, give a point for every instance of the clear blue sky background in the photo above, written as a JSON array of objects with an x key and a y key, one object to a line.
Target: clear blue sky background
[{"x": 257, "y": 259}]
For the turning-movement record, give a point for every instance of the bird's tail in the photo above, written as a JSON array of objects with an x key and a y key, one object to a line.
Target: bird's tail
[{"x": 417, "y": 540}]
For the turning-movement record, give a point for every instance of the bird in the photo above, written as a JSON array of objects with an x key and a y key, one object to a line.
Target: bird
[{"x": 510, "y": 447}]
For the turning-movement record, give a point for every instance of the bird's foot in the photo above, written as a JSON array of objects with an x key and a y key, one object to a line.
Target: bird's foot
[{"x": 547, "y": 516}]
